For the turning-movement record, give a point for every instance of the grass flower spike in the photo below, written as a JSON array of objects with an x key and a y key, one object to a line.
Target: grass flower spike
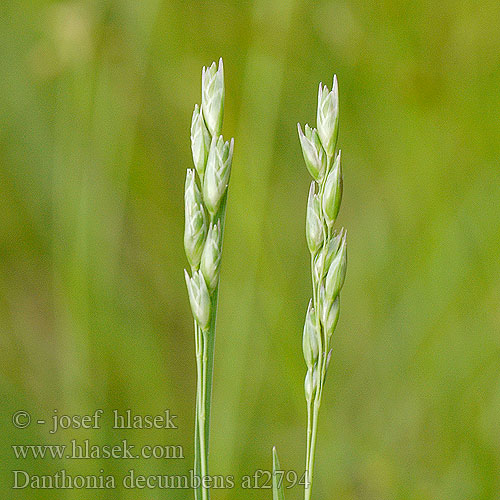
[
  {"x": 328, "y": 257},
  {"x": 205, "y": 206},
  {"x": 328, "y": 251}
]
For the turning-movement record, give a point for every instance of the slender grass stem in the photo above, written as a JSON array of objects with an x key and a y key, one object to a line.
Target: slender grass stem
[
  {"x": 201, "y": 413},
  {"x": 312, "y": 450},
  {"x": 308, "y": 435}
]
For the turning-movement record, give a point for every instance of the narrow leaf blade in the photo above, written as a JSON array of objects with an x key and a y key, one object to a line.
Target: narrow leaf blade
[{"x": 278, "y": 493}]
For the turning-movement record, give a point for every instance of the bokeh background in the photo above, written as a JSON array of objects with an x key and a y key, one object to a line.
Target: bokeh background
[{"x": 95, "y": 106}]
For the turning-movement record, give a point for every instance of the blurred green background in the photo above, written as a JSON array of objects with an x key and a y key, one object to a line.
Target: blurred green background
[{"x": 95, "y": 107}]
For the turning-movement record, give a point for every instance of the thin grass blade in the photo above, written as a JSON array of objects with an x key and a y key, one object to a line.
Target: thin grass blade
[{"x": 278, "y": 493}]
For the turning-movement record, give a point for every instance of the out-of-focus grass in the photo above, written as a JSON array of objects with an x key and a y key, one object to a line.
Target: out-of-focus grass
[{"x": 95, "y": 106}]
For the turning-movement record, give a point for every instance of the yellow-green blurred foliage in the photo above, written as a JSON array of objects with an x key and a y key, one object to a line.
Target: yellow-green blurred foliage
[{"x": 95, "y": 106}]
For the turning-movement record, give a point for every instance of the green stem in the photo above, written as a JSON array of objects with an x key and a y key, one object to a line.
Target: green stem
[
  {"x": 312, "y": 446},
  {"x": 199, "y": 370},
  {"x": 202, "y": 416},
  {"x": 308, "y": 445},
  {"x": 197, "y": 459}
]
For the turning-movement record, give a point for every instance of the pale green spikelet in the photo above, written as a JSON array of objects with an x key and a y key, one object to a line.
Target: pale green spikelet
[
  {"x": 309, "y": 385},
  {"x": 332, "y": 195},
  {"x": 314, "y": 229},
  {"x": 328, "y": 116},
  {"x": 212, "y": 97},
  {"x": 331, "y": 317},
  {"x": 200, "y": 141},
  {"x": 211, "y": 257},
  {"x": 199, "y": 298},
  {"x": 314, "y": 154},
  {"x": 310, "y": 338},
  {"x": 195, "y": 227},
  {"x": 217, "y": 172},
  {"x": 336, "y": 274}
]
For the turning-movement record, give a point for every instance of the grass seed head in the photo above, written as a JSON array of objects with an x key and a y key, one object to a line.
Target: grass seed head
[{"x": 328, "y": 255}]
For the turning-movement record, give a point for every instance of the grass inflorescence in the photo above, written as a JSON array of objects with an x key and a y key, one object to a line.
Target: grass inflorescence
[
  {"x": 205, "y": 205},
  {"x": 328, "y": 250}
]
